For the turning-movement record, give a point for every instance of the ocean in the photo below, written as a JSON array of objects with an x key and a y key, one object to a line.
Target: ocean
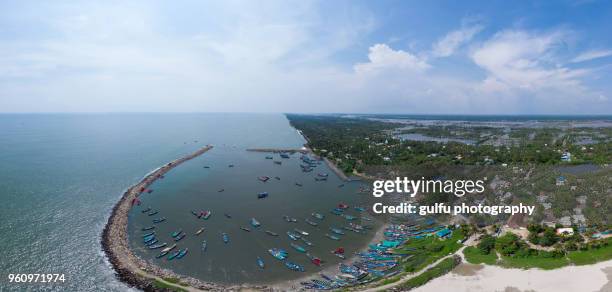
[{"x": 62, "y": 174}]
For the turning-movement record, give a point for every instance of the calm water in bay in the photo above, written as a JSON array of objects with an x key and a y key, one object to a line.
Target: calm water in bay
[{"x": 61, "y": 175}]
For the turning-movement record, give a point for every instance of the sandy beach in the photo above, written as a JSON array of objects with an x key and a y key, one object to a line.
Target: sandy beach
[{"x": 472, "y": 278}]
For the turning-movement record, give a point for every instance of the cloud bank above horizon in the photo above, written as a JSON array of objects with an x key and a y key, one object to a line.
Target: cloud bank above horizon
[{"x": 306, "y": 56}]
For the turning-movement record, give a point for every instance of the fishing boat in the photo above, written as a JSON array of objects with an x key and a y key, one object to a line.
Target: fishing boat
[
  {"x": 333, "y": 237},
  {"x": 336, "y": 230},
  {"x": 311, "y": 222},
  {"x": 307, "y": 242},
  {"x": 302, "y": 232},
  {"x": 204, "y": 245},
  {"x": 294, "y": 267},
  {"x": 167, "y": 249},
  {"x": 298, "y": 184},
  {"x": 260, "y": 263},
  {"x": 152, "y": 242},
  {"x": 206, "y": 166},
  {"x": 200, "y": 231},
  {"x": 359, "y": 209},
  {"x": 292, "y": 235},
  {"x": 318, "y": 216},
  {"x": 284, "y": 155},
  {"x": 313, "y": 259},
  {"x": 343, "y": 206},
  {"x": 322, "y": 174},
  {"x": 149, "y": 191},
  {"x": 159, "y": 220},
  {"x": 336, "y": 211},
  {"x": 278, "y": 162},
  {"x": 162, "y": 254},
  {"x": 153, "y": 213},
  {"x": 176, "y": 233},
  {"x": 264, "y": 178},
  {"x": 245, "y": 229},
  {"x": 195, "y": 213},
  {"x": 178, "y": 238},
  {"x": 148, "y": 228},
  {"x": 349, "y": 217},
  {"x": 255, "y": 223},
  {"x": 278, "y": 253},
  {"x": 148, "y": 234},
  {"x": 182, "y": 253},
  {"x": 289, "y": 219},
  {"x": 271, "y": 233},
  {"x": 227, "y": 215},
  {"x": 146, "y": 210},
  {"x": 221, "y": 191},
  {"x": 231, "y": 165},
  {"x": 277, "y": 178},
  {"x": 298, "y": 248},
  {"x": 157, "y": 246},
  {"x": 225, "y": 237},
  {"x": 262, "y": 195},
  {"x": 320, "y": 178},
  {"x": 206, "y": 215},
  {"x": 269, "y": 157},
  {"x": 341, "y": 185},
  {"x": 339, "y": 252},
  {"x": 174, "y": 255}
]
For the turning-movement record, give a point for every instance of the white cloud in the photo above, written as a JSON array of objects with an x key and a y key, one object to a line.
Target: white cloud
[
  {"x": 382, "y": 57},
  {"x": 591, "y": 55},
  {"x": 447, "y": 45}
]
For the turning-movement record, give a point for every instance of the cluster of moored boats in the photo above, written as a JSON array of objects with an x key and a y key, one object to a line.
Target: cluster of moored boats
[{"x": 378, "y": 261}]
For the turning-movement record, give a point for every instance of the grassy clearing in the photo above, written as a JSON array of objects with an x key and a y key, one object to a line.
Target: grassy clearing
[
  {"x": 475, "y": 256},
  {"x": 545, "y": 263},
  {"x": 161, "y": 285},
  {"x": 428, "y": 250},
  {"x": 591, "y": 256},
  {"x": 438, "y": 270}
]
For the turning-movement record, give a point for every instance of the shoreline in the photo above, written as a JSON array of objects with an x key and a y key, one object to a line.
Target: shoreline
[{"x": 129, "y": 268}]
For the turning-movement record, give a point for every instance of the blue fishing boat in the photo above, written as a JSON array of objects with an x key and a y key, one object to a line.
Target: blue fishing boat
[
  {"x": 178, "y": 238},
  {"x": 262, "y": 195},
  {"x": 204, "y": 245},
  {"x": 260, "y": 263},
  {"x": 225, "y": 237},
  {"x": 152, "y": 242},
  {"x": 284, "y": 155},
  {"x": 148, "y": 228},
  {"x": 149, "y": 239},
  {"x": 293, "y": 236},
  {"x": 336, "y": 231},
  {"x": 298, "y": 248},
  {"x": 148, "y": 234},
  {"x": 153, "y": 213},
  {"x": 278, "y": 253},
  {"x": 182, "y": 253},
  {"x": 269, "y": 157},
  {"x": 318, "y": 216},
  {"x": 311, "y": 222},
  {"x": 255, "y": 223},
  {"x": 159, "y": 220},
  {"x": 176, "y": 233},
  {"x": 333, "y": 237},
  {"x": 307, "y": 242},
  {"x": 349, "y": 217},
  {"x": 174, "y": 255},
  {"x": 359, "y": 209},
  {"x": 162, "y": 254},
  {"x": 294, "y": 267}
]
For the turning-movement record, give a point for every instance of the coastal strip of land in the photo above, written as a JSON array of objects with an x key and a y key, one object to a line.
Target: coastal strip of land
[{"x": 130, "y": 268}]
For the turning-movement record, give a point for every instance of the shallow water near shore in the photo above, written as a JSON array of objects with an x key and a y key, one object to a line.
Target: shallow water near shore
[{"x": 62, "y": 174}]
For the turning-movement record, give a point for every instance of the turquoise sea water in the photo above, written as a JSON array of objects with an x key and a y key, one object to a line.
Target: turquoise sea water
[{"x": 61, "y": 174}]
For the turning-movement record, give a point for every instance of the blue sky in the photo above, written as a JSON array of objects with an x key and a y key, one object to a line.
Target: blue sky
[{"x": 459, "y": 57}]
